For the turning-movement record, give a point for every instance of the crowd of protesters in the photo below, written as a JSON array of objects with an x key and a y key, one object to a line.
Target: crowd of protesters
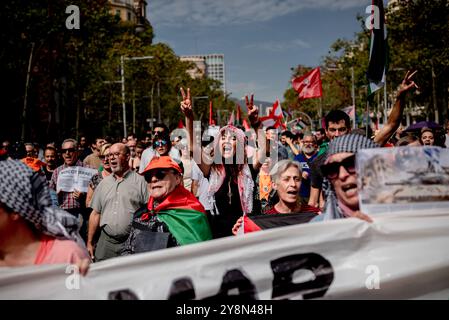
[{"x": 169, "y": 190}]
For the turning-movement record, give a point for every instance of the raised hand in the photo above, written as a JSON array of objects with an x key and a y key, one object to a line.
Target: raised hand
[
  {"x": 186, "y": 103},
  {"x": 237, "y": 226},
  {"x": 253, "y": 111},
  {"x": 407, "y": 84}
]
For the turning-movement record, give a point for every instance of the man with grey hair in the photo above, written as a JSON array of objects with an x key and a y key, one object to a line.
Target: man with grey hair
[
  {"x": 69, "y": 201},
  {"x": 114, "y": 202},
  {"x": 73, "y": 202},
  {"x": 309, "y": 153}
]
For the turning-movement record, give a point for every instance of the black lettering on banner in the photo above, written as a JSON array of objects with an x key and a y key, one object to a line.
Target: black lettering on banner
[
  {"x": 181, "y": 290},
  {"x": 124, "y": 294},
  {"x": 284, "y": 268},
  {"x": 235, "y": 279}
]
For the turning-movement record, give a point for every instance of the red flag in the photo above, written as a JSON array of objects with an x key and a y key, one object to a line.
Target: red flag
[
  {"x": 309, "y": 85},
  {"x": 274, "y": 119},
  {"x": 231, "y": 119},
  {"x": 239, "y": 112},
  {"x": 180, "y": 124},
  {"x": 246, "y": 125},
  {"x": 211, "y": 119}
]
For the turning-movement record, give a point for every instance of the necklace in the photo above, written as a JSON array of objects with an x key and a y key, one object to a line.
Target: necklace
[{"x": 229, "y": 191}]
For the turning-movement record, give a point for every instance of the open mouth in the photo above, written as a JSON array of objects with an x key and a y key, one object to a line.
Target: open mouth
[
  {"x": 227, "y": 148},
  {"x": 292, "y": 192},
  {"x": 349, "y": 187}
]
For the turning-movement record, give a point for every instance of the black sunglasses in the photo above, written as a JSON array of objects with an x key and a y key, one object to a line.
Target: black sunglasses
[
  {"x": 70, "y": 150},
  {"x": 331, "y": 170},
  {"x": 159, "y": 143},
  {"x": 159, "y": 174}
]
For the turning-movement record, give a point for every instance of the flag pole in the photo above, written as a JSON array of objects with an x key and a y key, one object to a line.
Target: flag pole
[
  {"x": 321, "y": 112},
  {"x": 385, "y": 101},
  {"x": 367, "y": 117}
]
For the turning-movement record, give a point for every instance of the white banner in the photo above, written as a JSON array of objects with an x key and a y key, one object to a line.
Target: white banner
[
  {"x": 74, "y": 178},
  {"x": 398, "y": 256}
]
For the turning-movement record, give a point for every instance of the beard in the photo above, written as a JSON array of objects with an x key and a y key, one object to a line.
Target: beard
[
  {"x": 308, "y": 150},
  {"x": 117, "y": 169}
]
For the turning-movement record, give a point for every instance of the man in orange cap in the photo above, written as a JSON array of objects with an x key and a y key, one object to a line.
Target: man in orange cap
[{"x": 173, "y": 216}]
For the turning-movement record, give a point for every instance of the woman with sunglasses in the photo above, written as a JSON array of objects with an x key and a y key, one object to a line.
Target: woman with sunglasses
[
  {"x": 231, "y": 182},
  {"x": 161, "y": 147},
  {"x": 342, "y": 199}
]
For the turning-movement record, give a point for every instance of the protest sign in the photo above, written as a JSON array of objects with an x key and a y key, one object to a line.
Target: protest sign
[
  {"x": 74, "y": 178},
  {"x": 405, "y": 178},
  {"x": 398, "y": 256}
]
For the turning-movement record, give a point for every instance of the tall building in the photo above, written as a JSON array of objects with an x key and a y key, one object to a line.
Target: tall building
[
  {"x": 214, "y": 67},
  {"x": 128, "y": 10}
]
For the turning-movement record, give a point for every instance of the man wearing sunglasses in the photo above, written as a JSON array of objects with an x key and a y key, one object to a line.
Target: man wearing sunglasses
[
  {"x": 338, "y": 124},
  {"x": 173, "y": 215},
  {"x": 72, "y": 202},
  {"x": 342, "y": 199}
]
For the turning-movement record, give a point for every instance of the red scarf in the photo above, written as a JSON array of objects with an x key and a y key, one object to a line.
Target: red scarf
[{"x": 179, "y": 198}]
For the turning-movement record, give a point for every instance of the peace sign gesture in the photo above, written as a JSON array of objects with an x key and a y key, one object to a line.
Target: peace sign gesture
[
  {"x": 186, "y": 103},
  {"x": 253, "y": 111},
  {"x": 407, "y": 84}
]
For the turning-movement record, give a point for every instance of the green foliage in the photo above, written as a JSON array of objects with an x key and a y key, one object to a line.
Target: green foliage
[
  {"x": 73, "y": 86},
  {"x": 418, "y": 36}
]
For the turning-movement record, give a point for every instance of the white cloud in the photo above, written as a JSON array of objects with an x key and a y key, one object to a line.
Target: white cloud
[
  {"x": 278, "y": 46},
  {"x": 234, "y": 12},
  {"x": 239, "y": 89}
]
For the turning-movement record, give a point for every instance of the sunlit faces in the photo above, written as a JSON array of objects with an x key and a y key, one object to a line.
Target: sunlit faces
[
  {"x": 69, "y": 153},
  {"x": 345, "y": 180},
  {"x": 427, "y": 138},
  {"x": 287, "y": 186},
  {"x": 272, "y": 134},
  {"x": 50, "y": 157},
  {"x": 162, "y": 182},
  {"x": 105, "y": 159},
  {"x": 99, "y": 143},
  {"x": 139, "y": 152},
  {"x": 336, "y": 129},
  {"x": 30, "y": 151},
  {"x": 228, "y": 144},
  {"x": 309, "y": 145},
  {"x": 161, "y": 146},
  {"x": 118, "y": 159}
]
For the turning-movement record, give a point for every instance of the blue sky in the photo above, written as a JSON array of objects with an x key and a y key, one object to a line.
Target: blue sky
[{"x": 261, "y": 39}]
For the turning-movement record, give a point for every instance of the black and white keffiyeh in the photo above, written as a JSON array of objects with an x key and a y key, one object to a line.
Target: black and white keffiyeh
[
  {"x": 27, "y": 193},
  {"x": 352, "y": 143}
]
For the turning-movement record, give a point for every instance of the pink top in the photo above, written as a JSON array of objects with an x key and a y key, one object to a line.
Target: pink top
[{"x": 55, "y": 251}]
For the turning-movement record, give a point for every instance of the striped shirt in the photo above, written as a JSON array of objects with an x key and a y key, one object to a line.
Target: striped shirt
[{"x": 65, "y": 199}]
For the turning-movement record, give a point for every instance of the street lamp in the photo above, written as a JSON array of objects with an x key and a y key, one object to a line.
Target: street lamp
[
  {"x": 198, "y": 98},
  {"x": 122, "y": 81}
]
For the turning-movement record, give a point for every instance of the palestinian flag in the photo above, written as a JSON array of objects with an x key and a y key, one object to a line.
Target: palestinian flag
[
  {"x": 184, "y": 216},
  {"x": 378, "y": 56},
  {"x": 268, "y": 221}
]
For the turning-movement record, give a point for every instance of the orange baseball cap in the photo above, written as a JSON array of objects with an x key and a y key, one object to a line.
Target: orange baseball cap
[{"x": 162, "y": 162}]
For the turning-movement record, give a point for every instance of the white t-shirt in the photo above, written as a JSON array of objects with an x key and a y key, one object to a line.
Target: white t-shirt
[
  {"x": 149, "y": 153},
  {"x": 187, "y": 176},
  {"x": 203, "y": 186}
]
